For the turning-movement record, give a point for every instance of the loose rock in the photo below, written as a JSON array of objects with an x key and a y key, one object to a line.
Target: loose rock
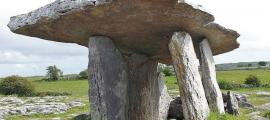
[
  {"x": 232, "y": 104},
  {"x": 176, "y": 110}
]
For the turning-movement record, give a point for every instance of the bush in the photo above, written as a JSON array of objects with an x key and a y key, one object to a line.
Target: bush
[
  {"x": 253, "y": 80},
  {"x": 42, "y": 94},
  {"x": 83, "y": 74},
  {"x": 16, "y": 85},
  {"x": 167, "y": 70},
  {"x": 267, "y": 114},
  {"x": 228, "y": 86}
]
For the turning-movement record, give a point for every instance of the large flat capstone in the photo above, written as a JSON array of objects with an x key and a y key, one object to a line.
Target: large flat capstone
[{"x": 141, "y": 26}]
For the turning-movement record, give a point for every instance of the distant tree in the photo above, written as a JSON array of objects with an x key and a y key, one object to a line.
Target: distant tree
[
  {"x": 83, "y": 74},
  {"x": 249, "y": 65},
  {"x": 262, "y": 63},
  {"x": 53, "y": 73}
]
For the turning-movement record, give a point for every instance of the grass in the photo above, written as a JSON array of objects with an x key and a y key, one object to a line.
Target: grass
[
  {"x": 267, "y": 114},
  {"x": 242, "y": 116},
  {"x": 79, "y": 90},
  {"x": 171, "y": 82},
  {"x": 239, "y": 76}
]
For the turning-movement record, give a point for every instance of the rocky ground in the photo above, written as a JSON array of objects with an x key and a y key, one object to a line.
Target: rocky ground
[
  {"x": 243, "y": 102},
  {"x": 36, "y": 105}
]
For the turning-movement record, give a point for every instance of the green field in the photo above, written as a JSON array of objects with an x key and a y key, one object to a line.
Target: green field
[
  {"x": 239, "y": 76},
  {"x": 79, "y": 90}
]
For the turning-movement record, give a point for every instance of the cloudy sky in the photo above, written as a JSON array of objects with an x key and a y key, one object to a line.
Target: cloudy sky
[{"x": 29, "y": 56}]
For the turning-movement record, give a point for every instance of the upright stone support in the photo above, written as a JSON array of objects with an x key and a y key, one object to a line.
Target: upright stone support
[
  {"x": 164, "y": 99},
  {"x": 211, "y": 88},
  {"x": 194, "y": 103},
  {"x": 108, "y": 78},
  {"x": 143, "y": 90},
  {"x": 122, "y": 87}
]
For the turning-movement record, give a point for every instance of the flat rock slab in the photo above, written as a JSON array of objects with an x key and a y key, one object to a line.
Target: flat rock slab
[
  {"x": 36, "y": 105},
  {"x": 142, "y": 26}
]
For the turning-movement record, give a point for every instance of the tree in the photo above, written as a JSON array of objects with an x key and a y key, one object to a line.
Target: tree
[
  {"x": 53, "y": 73},
  {"x": 84, "y": 74},
  {"x": 262, "y": 63}
]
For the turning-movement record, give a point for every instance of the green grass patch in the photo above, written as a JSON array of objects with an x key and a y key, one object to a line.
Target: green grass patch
[
  {"x": 171, "y": 82},
  {"x": 242, "y": 116},
  {"x": 239, "y": 76},
  {"x": 77, "y": 88},
  {"x": 267, "y": 114}
]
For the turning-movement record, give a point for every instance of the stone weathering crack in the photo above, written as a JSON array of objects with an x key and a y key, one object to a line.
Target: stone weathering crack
[{"x": 142, "y": 26}]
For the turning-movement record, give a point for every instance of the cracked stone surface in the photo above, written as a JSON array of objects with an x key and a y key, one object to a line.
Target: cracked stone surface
[
  {"x": 35, "y": 105},
  {"x": 141, "y": 26}
]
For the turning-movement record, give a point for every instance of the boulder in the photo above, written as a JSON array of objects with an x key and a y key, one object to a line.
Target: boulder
[
  {"x": 232, "y": 104},
  {"x": 164, "y": 99},
  {"x": 176, "y": 110}
]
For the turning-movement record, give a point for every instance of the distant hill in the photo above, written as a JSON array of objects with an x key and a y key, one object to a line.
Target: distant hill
[{"x": 243, "y": 65}]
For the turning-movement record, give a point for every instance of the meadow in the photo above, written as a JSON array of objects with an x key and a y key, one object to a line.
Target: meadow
[{"x": 79, "y": 91}]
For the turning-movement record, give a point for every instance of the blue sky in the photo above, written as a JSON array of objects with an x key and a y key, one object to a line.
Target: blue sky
[{"x": 29, "y": 56}]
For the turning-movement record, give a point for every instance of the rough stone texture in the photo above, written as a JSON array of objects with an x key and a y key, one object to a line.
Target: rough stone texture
[
  {"x": 113, "y": 75},
  {"x": 35, "y": 105},
  {"x": 186, "y": 65},
  {"x": 143, "y": 88},
  {"x": 176, "y": 110},
  {"x": 164, "y": 99},
  {"x": 256, "y": 116},
  {"x": 232, "y": 104},
  {"x": 265, "y": 106},
  {"x": 108, "y": 80},
  {"x": 143, "y": 26},
  {"x": 263, "y": 93},
  {"x": 208, "y": 72}
]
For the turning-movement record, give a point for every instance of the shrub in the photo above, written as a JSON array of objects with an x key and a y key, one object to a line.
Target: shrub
[
  {"x": 49, "y": 93},
  {"x": 167, "y": 70},
  {"x": 267, "y": 114},
  {"x": 262, "y": 63},
  {"x": 227, "y": 85},
  {"x": 83, "y": 74},
  {"x": 253, "y": 80},
  {"x": 16, "y": 85}
]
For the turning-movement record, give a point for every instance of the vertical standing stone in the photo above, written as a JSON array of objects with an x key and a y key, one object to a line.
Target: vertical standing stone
[
  {"x": 232, "y": 104},
  {"x": 211, "y": 88},
  {"x": 164, "y": 99},
  {"x": 194, "y": 103},
  {"x": 108, "y": 80},
  {"x": 143, "y": 90},
  {"x": 112, "y": 75}
]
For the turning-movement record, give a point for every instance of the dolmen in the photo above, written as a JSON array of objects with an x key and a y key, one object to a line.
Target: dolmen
[{"x": 126, "y": 40}]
